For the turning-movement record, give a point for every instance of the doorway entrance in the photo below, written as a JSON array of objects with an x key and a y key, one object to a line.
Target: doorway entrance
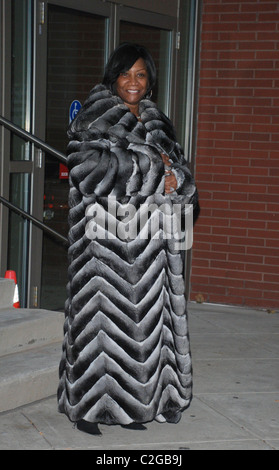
[
  {"x": 58, "y": 51},
  {"x": 78, "y": 45}
]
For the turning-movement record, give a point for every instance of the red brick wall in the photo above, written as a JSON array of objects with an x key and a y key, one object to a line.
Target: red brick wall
[{"x": 236, "y": 249}]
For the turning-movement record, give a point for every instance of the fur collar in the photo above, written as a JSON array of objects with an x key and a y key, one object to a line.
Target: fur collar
[
  {"x": 111, "y": 152},
  {"x": 105, "y": 116}
]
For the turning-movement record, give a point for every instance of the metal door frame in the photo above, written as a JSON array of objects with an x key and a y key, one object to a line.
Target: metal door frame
[{"x": 5, "y": 76}]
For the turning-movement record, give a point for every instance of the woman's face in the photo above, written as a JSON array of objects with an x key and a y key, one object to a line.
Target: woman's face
[{"x": 132, "y": 86}]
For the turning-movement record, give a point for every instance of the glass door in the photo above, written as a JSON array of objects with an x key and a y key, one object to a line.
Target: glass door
[
  {"x": 76, "y": 51},
  {"x": 76, "y": 47},
  {"x": 20, "y": 152}
]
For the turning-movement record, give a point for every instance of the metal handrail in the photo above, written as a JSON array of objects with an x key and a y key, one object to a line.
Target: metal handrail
[
  {"x": 32, "y": 138},
  {"x": 46, "y": 148},
  {"x": 32, "y": 219}
]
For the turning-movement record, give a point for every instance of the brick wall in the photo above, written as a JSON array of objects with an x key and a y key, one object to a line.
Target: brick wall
[{"x": 236, "y": 249}]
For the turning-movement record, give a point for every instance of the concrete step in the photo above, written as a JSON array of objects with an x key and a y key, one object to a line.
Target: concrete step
[
  {"x": 25, "y": 329},
  {"x": 29, "y": 376},
  {"x": 30, "y": 352},
  {"x": 7, "y": 289}
]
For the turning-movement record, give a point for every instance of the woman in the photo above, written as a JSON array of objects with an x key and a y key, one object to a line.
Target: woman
[{"x": 126, "y": 357}]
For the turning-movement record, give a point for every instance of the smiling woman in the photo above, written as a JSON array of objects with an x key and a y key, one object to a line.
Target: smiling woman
[
  {"x": 131, "y": 75},
  {"x": 126, "y": 356},
  {"x": 132, "y": 85},
  {"x": 123, "y": 59}
]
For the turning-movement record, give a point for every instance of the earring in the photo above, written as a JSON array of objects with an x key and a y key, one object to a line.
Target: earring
[{"x": 148, "y": 96}]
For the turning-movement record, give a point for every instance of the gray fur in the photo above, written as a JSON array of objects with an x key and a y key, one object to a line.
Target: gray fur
[{"x": 126, "y": 355}]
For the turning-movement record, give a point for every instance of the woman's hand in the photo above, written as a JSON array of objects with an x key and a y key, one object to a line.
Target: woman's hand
[{"x": 170, "y": 179}]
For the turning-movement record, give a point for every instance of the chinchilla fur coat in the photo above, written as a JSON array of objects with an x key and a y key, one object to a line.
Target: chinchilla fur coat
[{"x": 126, "y": 355}]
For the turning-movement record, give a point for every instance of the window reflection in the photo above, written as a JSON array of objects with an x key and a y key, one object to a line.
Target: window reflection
[{"x": 21, "y": 72}]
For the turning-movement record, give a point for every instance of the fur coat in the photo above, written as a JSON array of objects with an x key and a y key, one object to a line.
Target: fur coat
[{"x": 126, "y": 355}]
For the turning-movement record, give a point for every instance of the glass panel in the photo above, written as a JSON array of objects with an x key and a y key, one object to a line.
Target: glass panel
[
  {"x": 158, "y": 42},
  {"x": 184, "y": 84},
  {"x": 21, "y": 104},
  {"x": 21, "y": 75},
  {"x": 19, "y": 232},
  {"x": 76, "y": 59}
]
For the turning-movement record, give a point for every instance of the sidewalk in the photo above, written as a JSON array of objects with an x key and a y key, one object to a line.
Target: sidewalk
[{"x": 235, "y": 405}]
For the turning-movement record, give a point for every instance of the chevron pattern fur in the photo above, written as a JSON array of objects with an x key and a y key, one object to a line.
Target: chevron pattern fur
[{"x": 126, "y": 355}]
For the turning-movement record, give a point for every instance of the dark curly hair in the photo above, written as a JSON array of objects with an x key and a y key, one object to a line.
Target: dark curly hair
[{"x": 122, "y": 59}]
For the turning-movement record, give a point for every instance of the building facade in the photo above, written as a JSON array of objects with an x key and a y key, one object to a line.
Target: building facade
[{"x": 236, "y": 254}]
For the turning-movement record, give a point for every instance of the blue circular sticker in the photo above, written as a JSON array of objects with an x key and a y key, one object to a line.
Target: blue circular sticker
[{"x": 74, "y": 109}]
